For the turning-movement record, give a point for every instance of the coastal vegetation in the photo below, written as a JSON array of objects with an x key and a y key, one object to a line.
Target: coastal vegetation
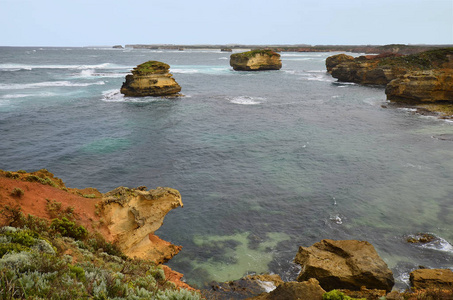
[
  {"x": 421, "y": 61},
  {"x": 253, "y": 53},
  {"x": 62, "y": 260},
  {"x": 151, "y": 67}
]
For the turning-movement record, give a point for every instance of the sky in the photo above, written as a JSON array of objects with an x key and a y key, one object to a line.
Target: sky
[{"x": 192, "y": 22}]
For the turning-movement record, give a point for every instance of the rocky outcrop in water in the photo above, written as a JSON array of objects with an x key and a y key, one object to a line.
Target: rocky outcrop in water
[
  {"x": 383, "y": 68},
  {"x": 150, "y": 79},
  {"x": 335, "y": 60},
  {"x": 295, "y": 290},
  {"x": 432, "y": 278},
  {"x": 416, "y": 79},
  {"x": 363, "y": 69},
  {"x": 132, "y": 217},
  {"x": 256, "y": 60},
  {"x": 347, "y": 264}
]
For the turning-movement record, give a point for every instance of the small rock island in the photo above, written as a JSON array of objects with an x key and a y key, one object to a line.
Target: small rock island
[
  {"x": 256, "y": 60},
  {"x": 151, "y": 78}
]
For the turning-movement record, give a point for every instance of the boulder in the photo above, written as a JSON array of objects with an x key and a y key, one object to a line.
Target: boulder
[
  {"x": 346, "y": 264},
  {"x": 133, "y": 215},
  {"x": 244, "y": 288},
  {"x": 432, "y": 279},
  {"x": 150, "y": 79},
  {"x": 422, "y": 86},
  {"x": 256, "y": 60},
  {"x": 295, "y": 290}
]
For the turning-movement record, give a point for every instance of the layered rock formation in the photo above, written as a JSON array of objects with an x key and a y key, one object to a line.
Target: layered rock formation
[
  {"x": 133, "y": 215},
  {"x": 256, "y": 60},
  {"x": 383, "y": 68},
  {"x": 363, "y": 69},
  {"x": 422, "y": 86},
  {"x": 416, "y": 79},
  {"x": 432, "y": 278},
  {"x": 347, "y": 264},
  {"x": 150, "y": 79}
]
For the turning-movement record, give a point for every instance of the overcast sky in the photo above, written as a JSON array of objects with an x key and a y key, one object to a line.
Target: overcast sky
[{"x": 314, "y": 22}]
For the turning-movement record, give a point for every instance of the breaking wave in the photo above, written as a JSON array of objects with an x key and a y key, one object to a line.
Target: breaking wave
[
  {"x": 19, "y": 86},
  {"x": 246, "y": 100}
]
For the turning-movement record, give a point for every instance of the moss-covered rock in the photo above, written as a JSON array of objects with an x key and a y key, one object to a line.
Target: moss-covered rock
[{"x": 256, "y": 60}]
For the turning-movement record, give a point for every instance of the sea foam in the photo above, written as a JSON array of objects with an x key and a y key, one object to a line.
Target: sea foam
[
  {"x": 18, "y": 86},
  {"x": 246, "y": 100}
]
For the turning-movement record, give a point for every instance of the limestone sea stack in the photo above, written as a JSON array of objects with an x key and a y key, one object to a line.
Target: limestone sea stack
[
  {"x": 151, "y": 78},
  {"x": 256, "y": 60}
]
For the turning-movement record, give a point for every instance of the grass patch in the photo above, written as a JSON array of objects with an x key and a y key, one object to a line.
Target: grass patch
[
  {"x": 421, "y": 61},
  {"x": 151, "y": 67}
]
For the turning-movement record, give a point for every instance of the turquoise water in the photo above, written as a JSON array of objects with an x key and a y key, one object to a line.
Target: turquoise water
[{"x": 265, "y": 162}]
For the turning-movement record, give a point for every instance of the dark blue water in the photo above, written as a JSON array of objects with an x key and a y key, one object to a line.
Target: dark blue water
[{"x": 265, "y": 161}]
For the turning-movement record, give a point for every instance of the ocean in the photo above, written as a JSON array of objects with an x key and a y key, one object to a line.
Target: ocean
[{"x": 265, "y": 161}]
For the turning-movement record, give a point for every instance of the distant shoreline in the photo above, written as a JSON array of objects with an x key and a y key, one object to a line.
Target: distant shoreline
[
  {"x": 395, "y": 48},
  {"x": 367, "y": 49}
]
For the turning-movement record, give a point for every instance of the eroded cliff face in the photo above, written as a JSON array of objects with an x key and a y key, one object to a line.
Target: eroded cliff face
[
  {"x": 133, "y": 215},
  {"x": 422, "y": 86},
  {"x": 419, "y": 79},
  {"x": 150, "y": 79},
  {"x": 363, "y": 69},
  {"x": 256, "y": 60}
]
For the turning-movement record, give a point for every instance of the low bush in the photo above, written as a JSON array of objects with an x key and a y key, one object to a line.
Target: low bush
[
  {"x": 17, "y": 192},
  {"x": 69, "y": 228}
]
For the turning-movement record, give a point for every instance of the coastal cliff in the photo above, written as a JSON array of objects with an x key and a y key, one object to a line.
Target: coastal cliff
[
  {"x": 256, "y": 60},
  {"x": 151, "y": 78},
  {"x": 422, "y": 86},
  {"x": 383, "y": 68},
  {"x": 416, "y": 79},
  {"x": 81, "y": 232},
  {"x": 133, "y": 215}
]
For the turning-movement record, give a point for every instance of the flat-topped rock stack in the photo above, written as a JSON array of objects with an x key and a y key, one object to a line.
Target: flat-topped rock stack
[
  {"x": 151, "y": 78},
  {"x": 256, "y": 60}
]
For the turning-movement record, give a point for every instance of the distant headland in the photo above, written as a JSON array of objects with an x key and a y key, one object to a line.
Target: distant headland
[{"x": 395, "y": 48}]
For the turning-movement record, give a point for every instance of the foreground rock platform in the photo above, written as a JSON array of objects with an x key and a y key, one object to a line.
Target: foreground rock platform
[
  {"x": 345, "y": 264},
  {"x": 256, "y": 60},
  {"x": 151, "y": 78},
  {"x": 432, "y": 278}
]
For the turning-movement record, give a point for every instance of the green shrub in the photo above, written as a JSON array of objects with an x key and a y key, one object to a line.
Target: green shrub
[
  {"x": 17, "y": 192},
  {"x": 336, "y": 295},
  {"x": 12, "y": 215},
  {"x": 11, "y": 247},
  {"x": 12, "y": 175},
  {"x": 69, "y": 228}
]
